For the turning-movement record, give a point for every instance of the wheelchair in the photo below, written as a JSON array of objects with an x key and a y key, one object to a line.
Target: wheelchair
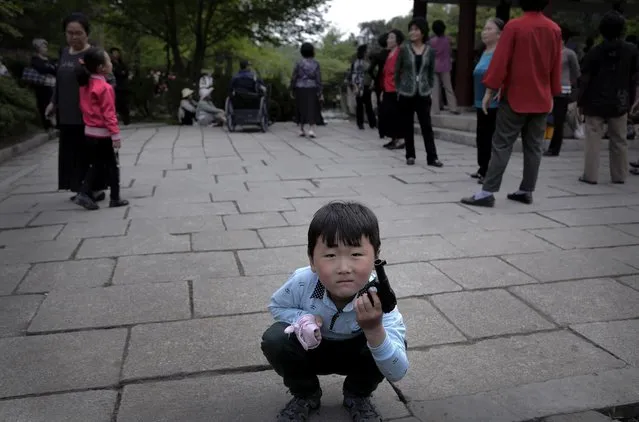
[{"x": 244, "y": 108}]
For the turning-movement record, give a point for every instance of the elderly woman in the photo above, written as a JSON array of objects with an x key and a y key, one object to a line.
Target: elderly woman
[
  {"x": 72, "y": 162},
  {"x": 414, "y": 79},
  {"x": 306, "y": 87},
  {"x": 206, "y": 112},
  {"x": 40, "y": 63}
]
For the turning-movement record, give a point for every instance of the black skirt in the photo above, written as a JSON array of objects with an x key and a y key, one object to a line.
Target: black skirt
[
  {"x": 73, "y": 160},
  {"x": 390, "y": 117},
  {"x": 307, "y": 103}
]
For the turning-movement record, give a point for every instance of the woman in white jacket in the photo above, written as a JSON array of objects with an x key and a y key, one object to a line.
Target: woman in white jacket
[{"x": 206, "y": 83}]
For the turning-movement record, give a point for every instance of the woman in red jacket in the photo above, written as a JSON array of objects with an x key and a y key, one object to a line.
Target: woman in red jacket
[
  {"x": 97, "y": 102},
  {"x": 389, "y": 111}
]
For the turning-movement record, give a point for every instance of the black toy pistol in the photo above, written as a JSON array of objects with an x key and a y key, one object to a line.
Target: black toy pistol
[{"x": 384, "y": 289}]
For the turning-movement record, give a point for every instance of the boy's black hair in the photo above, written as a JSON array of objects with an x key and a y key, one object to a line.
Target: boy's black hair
[
  {"x": 612, "y": 25},
  {"x": 93, "y": 58},
  {"x": 421, "y": 24},
  {"x": 345, "y": 222},
  {"x": 79, "y": 18},
  {"x": 439, "y": 27},
  {"x": 307, "y": 50},
  {"x": 533, "y": 5}
]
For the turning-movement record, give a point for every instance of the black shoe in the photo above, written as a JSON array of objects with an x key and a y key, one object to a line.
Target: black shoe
[
  {"x": 436, "y": 163},
  {"x": 361, "y": 409},
  {"x": 114, "y": 203},
  {"x": 634, "y": 164},
  {"x": 72, "y": 199},
  {"x": 410, "y": 161},
  {"x": 550, "y": 153},
  {"x": 524, "y": 198},
  {"x": 480, "y": 180},
  {"x": 488, "y": 201},
  {"x": 390, "y": 145},
  {"x": 583, "y": 180},
  {"x": 361, "y": 127},
  {"x": 475, "y": 175},
  {"x": 618, "y": 182},
  {"x": 634, "y": 171},
  {"x": 398, "y": 146},
  {"x": 298, "y": 409},
  {"x": 85, "y": 201}
]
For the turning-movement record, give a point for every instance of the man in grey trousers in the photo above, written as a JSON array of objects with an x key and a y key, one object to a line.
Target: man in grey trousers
[{"x": 527, "y": 78}]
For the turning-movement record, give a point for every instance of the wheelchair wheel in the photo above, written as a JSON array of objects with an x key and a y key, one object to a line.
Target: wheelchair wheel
[
  {"x": 263, "y": 116},
  {"x": 230, "y": 119}
]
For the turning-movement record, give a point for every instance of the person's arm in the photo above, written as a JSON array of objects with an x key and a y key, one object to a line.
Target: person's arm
[
  {"x": 573, "y": 65},
  {"x": 498, "y": 68},
  {"x": 555, "y": 70},
  {"x": 584, "y": 80},
  {"x": 294, "y": 76},
  {"x": 398, "y": 67},
  {"x": 187, "y": 105},
  {"x": 390, "y": 356},
  {"x": 318, "y": 79},
  {"x": 286, "y": 302},
  {"x": 430, "y": 71},
  {"x": 106, "y": 100},
  {"x": 43, "y": 67},
  {"x": 634, "y": 80}
]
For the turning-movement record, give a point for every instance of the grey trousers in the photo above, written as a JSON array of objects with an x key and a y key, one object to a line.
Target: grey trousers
[
  {"x": 509, "y": 125},
  {"x": 617, "y": 144}
]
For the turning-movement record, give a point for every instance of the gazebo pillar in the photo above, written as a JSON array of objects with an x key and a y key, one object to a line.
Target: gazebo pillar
[
  {"x": 465, "y": 52},
  {"x": 503, "y": 10},
  {"x": 420, "y": 8}
]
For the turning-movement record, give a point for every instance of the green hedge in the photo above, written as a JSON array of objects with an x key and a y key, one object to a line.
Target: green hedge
[{"x": 18, "y": 110}]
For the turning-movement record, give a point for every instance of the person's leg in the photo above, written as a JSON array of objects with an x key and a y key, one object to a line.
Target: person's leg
[
  {"x": 533, "y": 149},
  {"x": 559, "y": 111},
  {"x": 362, "y": 374},
  {"x": 484, "y": 138},
  {"x": 407, "y": 111},
  {"x": 95, "y": 164},
  {"x": 508, "y": 126},
  {"x": 592, "y": 148},
  {"x": 618, "y": 147},
  {"x": 422, "y": 108},
  {"x": 290, "y": 361},
  {"x": 359, "y": 111},
  {"x": 42, "y": 101},
  {"x": 113, "y": 172},
  {"x": 122, "y": 106},
  {"x": 436, "y": 94},
  {"x": 450, "y": 93},
  {"x": 368, "y": 104}
]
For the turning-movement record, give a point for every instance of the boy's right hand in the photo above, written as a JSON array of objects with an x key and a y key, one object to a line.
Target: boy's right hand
[{"x": 307, "y": 330}]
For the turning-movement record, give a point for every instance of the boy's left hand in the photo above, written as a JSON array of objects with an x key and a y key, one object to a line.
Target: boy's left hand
[
  {"x": 117, "y": 144},
  {"x": 369, "y": 315}
]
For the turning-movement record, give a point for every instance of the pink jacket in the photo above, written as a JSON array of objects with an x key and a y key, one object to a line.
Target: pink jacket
[{"x": 97, "y": 102}]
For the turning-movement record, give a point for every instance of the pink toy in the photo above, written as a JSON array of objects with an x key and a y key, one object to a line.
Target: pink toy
[{"x": 307, "y": 331}]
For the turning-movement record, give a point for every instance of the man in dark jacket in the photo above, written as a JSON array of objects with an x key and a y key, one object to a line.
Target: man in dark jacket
[
  {"x": 121, "y": 73},
  {"x": 608, "y": 92}
]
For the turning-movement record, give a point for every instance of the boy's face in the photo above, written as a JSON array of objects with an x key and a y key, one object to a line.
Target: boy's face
[{"x": 343, "y": 270}]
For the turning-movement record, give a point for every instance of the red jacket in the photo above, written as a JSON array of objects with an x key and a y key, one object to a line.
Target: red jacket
[
  {"x": 97, "y": 102},
  {"x": 388, "y": 73},
  {"x": 526, "y": 64}
]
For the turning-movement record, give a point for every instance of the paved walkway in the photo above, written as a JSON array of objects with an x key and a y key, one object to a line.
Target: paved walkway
[{"x": 154, "y": 312}]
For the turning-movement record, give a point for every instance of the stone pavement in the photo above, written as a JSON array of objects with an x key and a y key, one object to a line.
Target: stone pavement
[{"x": 154, "y": 312}]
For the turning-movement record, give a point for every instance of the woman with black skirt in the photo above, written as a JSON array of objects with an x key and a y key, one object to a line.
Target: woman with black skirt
[
  {"x": 414, "y": 78},
  {"x": 72, "y": 160},
  {"x": 306, "y": 88}
]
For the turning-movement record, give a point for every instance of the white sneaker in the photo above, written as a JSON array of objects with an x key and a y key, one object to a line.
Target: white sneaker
[{"x": 311, "y": 134}]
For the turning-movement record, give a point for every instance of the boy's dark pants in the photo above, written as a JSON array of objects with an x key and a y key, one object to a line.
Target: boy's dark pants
[
  {"x": 101, "y": 157},
  {"x": 300, "y": 368}
]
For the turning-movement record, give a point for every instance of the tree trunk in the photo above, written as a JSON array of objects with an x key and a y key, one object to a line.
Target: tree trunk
[
  {"x": 172, "y": 35},
  {"x": 420, "y": 8}
]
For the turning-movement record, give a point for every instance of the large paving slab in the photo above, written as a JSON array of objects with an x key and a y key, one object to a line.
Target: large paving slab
[
  {"x": 236, "y": 397},
  {"x": 59, "y": 362},
  {"x": 94, "y": 406},
  {"x": 112, "y": 306},
  {"x": 218, "y": 222}
]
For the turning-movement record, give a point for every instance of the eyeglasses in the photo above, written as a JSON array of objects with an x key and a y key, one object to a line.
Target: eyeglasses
[{"x": 75, "y": 34}]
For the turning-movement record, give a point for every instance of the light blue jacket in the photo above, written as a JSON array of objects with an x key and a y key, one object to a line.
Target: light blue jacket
[{"x": 303, "y": 293}]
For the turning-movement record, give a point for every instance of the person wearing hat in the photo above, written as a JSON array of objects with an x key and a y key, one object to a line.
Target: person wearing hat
[
  {"x": 206, "y": 83},
  {"x": 43, "y": 91},
  {"x": 188, "y": 106},
  {"x": 206, "y": 113},
  {"x": 246, "y": 80}
]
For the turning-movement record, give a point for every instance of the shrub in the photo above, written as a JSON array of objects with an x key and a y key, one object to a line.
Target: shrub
[{"x": 18, "y": 109}]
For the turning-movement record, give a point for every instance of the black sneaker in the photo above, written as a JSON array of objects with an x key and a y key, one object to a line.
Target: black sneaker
[
  {"x": 98, "y": 196},
  {"x": 298, "y": 409},
  {"x": 85, "y": 201},
  {"x": 524, "y": 198},
  {"x": 361, "y": 409},
  {"x": 114, "y": 203}
]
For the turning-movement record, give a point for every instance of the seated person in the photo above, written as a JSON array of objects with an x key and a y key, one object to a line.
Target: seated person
[
  {"x": 188, "y": 106},
  {"x": 335, "y": 330},
  {"x": 246, "y": 80},
  {"x": 206, "y": 112}
]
